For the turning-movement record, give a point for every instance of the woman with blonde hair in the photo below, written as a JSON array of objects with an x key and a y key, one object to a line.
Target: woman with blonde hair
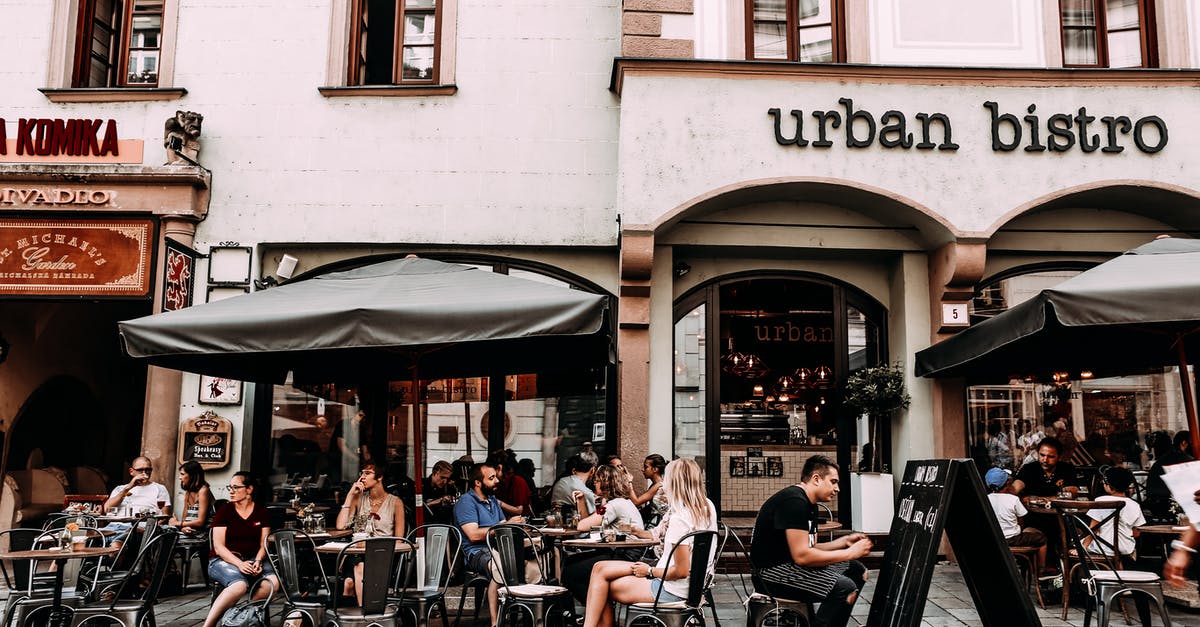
[{"x": 636, "y": 582}]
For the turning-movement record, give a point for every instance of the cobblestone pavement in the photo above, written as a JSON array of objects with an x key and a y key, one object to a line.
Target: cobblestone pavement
[{"x": 949, "y": 604}]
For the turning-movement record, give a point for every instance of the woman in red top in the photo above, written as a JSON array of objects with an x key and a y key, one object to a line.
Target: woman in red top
[{"x": 238, "y": 557}]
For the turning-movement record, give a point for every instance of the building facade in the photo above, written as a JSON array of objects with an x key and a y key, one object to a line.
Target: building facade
[{"x": 817, "y": 184}]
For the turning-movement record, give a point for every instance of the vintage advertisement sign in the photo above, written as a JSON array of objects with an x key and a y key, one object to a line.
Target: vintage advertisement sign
[
  {"x": 206, "y": 440},
  {"x": 178, "y": 276},
  {"x": 76, "y": 257}
]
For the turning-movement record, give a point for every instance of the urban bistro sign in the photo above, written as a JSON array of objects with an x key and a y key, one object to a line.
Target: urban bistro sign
[
  {"x": 75, "y": 257},
  {"x": 1030, "y": 130},
  {"x": 58, "y": 140}
]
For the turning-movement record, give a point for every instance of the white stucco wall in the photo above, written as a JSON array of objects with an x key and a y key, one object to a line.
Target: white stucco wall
[
  {"x": 958, "y": 32},
  {"x": 682, "y": 137},
  {"x": 525, "y": 152}
]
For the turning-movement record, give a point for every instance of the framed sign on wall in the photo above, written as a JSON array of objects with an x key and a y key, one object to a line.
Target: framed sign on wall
[{"x": 220, "y": 391}]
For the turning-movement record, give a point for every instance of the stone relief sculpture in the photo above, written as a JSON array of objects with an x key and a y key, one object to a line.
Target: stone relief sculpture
[{"x": 182, "y": 138}]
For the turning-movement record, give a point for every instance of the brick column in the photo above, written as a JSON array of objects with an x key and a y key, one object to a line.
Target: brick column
[
  {"x": 954, "y": 270},
  {"x": 633, "y": 343},
  {"x": 641, "y": 29}
]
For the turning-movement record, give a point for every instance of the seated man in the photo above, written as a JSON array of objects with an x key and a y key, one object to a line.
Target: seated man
[
  {"x": 1047, "y": 477},
  {"x": 474, "y": 513},
  {"x": 439, "y": 494},
  {"x": 140, "y": 493},
  {"x": 787, "y": 560},
  {"x": 1010, "y": 513},
  {"x": 579, "y": 472},
  {"x": 1118, "y": 482}
]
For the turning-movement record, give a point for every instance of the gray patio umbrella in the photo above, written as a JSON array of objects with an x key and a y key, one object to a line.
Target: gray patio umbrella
[
  {"x": 1138, "y": 311},
  {"x": 404, "y": 318}
]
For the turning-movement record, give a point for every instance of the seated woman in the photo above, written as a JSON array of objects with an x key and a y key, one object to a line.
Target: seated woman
[
  {"x": 636, "y": 582},
  {"x": 197, "y": 501},
  {"x": 238, "y": 557},
  {"x": 652, "y": 501},
  {"x": 385, "y": 513},
  {"x": 613, "y": 509}
]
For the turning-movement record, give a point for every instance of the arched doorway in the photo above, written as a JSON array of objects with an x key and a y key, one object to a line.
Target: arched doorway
[{"x": 759, "y": 357}]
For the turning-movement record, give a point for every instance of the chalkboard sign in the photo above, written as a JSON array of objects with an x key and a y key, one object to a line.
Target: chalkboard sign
[{"x": 939, "y": 495}]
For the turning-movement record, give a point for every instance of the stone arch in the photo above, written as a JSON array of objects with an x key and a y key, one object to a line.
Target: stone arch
[
  {"x": 64, "y": 410},
  {"x": 933, "y": 229},
  {"x": 1176, "y": 205}
]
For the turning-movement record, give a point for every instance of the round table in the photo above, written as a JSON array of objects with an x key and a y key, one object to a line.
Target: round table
[
  {"x": 628, "y": 542},
  {"x": 559, "y": 532},
  {"x": 336, "y": 548},
  {"x": 60, "y": 557},
  {"x": 1162, "y": 530}
]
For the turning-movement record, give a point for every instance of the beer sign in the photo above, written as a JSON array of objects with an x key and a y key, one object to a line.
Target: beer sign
[{"x": 206, "y": 440}]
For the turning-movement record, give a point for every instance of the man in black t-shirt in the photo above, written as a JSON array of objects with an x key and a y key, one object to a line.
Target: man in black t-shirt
[
  {"x": 787, "y": 560},
  {"x": 1047, "y": 476}
]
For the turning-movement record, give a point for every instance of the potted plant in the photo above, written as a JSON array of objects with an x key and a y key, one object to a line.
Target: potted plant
[{"x": 874, "y": 393}]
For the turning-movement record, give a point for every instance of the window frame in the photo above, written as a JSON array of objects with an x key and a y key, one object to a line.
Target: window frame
[
  {"x": 355, "y": 43},
  {"x": 121, "y": 46},
  {"x": 837, "y": 27},
  {"x": 1147, "y": 35}
]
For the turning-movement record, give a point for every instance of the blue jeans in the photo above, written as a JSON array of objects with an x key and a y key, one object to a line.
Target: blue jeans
[{"x": 227, "y": 574}]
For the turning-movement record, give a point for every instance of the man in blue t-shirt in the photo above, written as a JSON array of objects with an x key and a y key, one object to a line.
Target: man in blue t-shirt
[{"x": 477, "y": 510}]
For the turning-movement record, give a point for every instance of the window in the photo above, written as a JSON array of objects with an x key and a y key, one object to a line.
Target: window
[
  {"x": 118, "y": 43},
  {"x": 1109, "y": 33},
  {"x": 811, "y": 31},
  {"x": 393, "y": 42}
]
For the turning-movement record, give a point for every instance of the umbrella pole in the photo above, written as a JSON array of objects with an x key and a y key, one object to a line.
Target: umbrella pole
[
  {"x": 418, "y": 442},
  {"x": 1189, "y": 396}
]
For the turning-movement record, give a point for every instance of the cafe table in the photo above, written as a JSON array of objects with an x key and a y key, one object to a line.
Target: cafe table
[
  {"x": 334, "y": 548},
  {"x": 627, "y": 543},
  {"x": 59, "y": 557}
]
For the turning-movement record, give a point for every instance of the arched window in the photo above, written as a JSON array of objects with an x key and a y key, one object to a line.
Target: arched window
[{"x": 757, "y": 360}]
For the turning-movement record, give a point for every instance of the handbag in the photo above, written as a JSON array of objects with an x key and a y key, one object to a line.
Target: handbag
[{"x": 247, "y": 614}]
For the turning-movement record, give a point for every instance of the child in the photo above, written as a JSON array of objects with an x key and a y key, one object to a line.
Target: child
[
  {"x": 1117, "y": 482},
  {"x": 1010, "y": 513}
]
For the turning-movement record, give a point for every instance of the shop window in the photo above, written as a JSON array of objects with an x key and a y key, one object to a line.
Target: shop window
[
  {"x": 757, "y": 365},
  {"x": 1108, "y": 33},
  {"x": 394, "y": 42},
  {"x": 119, "y": 43},
  {"x": 809, "y": 31},
  {"x": 1111, "y": 421}
]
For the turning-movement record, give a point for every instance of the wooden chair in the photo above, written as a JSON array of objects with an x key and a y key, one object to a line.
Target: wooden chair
[
  {"x": 1026, "y": 558},
  {"x": 1069, "y": 555}
]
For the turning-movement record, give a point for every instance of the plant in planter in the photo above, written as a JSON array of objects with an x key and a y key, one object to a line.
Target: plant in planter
[{"x": 876, "y": 392}]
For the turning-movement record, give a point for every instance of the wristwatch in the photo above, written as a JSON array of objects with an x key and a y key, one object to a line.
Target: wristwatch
[{"x": 650, "y": 573}]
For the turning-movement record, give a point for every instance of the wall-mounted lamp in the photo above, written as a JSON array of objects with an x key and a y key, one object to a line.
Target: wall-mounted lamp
[{"x": 682, "y": 268}]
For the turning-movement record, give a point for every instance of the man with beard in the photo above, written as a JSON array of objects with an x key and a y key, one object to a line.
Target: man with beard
[
  {"x": 474, "y": 513},
  {"x": 1047, "y": 477}
]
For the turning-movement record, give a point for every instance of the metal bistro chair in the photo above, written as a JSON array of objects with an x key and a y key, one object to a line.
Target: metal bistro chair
[
  {"x": 439, "y": 546},
  {"x": 291, "y": 553},
  {"x": 60, "y": 520},
  {"x": 39, "y": 593},
  {"x": 100, "y": 579},
  {"x": 765, "y": 608},
  {"x": 508, "y": 544},
  {"x": 25, "y": 591},
  {"x": 150, "y": 565},
  {"x": 700, "y": 577},
  {"x": 1070, "y": 557},
  {"x": 381, "y": 555},
  {"x": 1104, "y": 585}
]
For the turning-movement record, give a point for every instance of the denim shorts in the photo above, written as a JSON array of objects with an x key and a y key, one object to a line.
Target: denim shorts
[
  {"x": 666, "y": 597},
  {"x": 227, "y": 574}
]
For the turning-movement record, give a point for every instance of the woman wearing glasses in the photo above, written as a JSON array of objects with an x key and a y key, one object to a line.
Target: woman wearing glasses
[
  {"x": 384, "y": 514},
  {"x": 238, "y": 558}
]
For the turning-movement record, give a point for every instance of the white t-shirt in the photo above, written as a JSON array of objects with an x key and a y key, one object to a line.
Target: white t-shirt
[
  {"x": 678, "y": 524},
  {"x": 1007, "y": 508},
  {"x": 1130, "y": 517},
  {"x": 618, "y": 511},
  {"x": 143, "y": 496}
]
